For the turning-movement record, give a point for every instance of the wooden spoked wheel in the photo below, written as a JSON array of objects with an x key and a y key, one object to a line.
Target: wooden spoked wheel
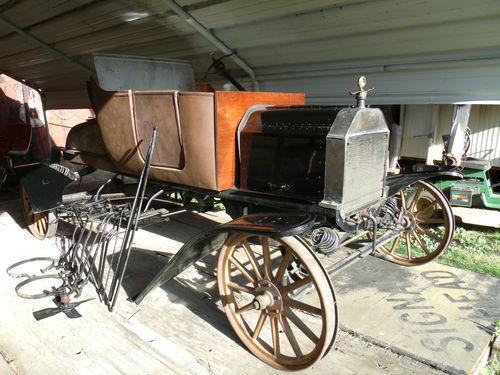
[
  {"x": 428, "y": 223},
  {"x": 260, "y": 279},
  {"x": 41, "y": 225}
]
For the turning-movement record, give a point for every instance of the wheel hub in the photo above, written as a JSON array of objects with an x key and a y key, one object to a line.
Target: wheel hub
[
  {"x": 268, "y": 298},
  {"x": 409, "y": 221}
]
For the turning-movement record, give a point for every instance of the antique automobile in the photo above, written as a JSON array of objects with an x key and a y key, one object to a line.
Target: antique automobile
[{"x": 300, "y": 182}]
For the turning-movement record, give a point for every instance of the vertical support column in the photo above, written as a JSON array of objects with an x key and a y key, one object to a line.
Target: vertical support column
[
  {"x": 456, "y": 144},
  {"x": 433, "y": 151}
]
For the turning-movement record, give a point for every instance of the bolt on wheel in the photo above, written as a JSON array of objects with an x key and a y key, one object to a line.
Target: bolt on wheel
[
  {"x": 41, "y": 225},
  {"x": 428, "y": 223},
  {"x": 259, "y": 280}
]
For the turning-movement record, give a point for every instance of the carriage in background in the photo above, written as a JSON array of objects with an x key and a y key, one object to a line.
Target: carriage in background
[
  {"x": 23, "y": 135},
  {"x": 15, "y": 139},
  {"x": 300, "y": 182}
]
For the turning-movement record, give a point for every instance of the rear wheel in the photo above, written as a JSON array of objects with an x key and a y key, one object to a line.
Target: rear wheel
[
  {"x": 41, "y": 225},
  {"x": 260, "y": 279},
  {"x": 429, "y": 225}
]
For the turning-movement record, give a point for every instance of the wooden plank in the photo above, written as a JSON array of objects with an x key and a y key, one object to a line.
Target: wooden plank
[{"x": 230, "y": 108}]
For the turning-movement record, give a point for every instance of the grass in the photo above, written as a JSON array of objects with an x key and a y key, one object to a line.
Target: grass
[
  {"x": 475, "y": 250},
  {"x": 493, "y": 365},
  {"x": 471, "y": 249}
]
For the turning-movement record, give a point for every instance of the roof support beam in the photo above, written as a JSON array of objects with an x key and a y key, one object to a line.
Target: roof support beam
[
  {"x": 207, "y": 34},
  {"x": 5, "y": 21}
]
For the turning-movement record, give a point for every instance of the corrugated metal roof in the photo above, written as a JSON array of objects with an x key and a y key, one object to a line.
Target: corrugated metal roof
[{"x": 274, "y": 37}]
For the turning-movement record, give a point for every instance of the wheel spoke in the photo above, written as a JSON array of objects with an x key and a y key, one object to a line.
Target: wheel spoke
[
  {"x": 44, "y": 223},
  {"x": 267, "y": 258},
  {"x": 403, "y": 200},
  {"x": 243, "y": 270},
  {"x": 430, "y": 221},
  {"x": 252, "y": 259},
  {"x": 415, "y": 199},
  {"x": 428, "y": 233},
  {"x": 37, "y": 223},
  {"x": 247, "y": 307},
  {"x": 290, "y": 336},
  {"x": 283, "y": 265},
  {"x": 421, "y": 243},
  {"x": 301, "y": 325},
  {"x": 432, "y": 203},
  {"x": 303, "y": 306},
  {"x": 288, "y": 288},
  {"x": 384, "y": 248},
  {"x": 242, "y": 288},
  {"x": 395, "y": 245},
  {"x": 408, "y": 245},
  {"x": 40, "y": 223},
  {"x": 259, "y": 325},
  {"x": 275, "y": 333}
]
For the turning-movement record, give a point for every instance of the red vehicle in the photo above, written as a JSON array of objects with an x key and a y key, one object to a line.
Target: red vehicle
[{"x": 23, "y": 136}]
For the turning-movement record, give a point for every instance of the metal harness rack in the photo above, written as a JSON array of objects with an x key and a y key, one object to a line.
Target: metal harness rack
[{"x": 98, "y": 249}]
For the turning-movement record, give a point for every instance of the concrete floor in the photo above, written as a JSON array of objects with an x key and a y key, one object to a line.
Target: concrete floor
[{"x": 179, "y": 328}]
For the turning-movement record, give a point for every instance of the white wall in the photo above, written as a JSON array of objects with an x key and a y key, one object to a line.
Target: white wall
[{"x": 484, "y": 122}]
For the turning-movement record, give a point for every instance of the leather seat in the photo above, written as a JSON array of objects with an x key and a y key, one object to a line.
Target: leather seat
[{"x": 86, "y": 137}]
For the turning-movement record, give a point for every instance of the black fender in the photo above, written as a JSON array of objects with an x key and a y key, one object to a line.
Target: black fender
[
  {"x": 396, "y": 183},
  {"x": 275, "y": 224},
  {"x": 44, "y": 184}
]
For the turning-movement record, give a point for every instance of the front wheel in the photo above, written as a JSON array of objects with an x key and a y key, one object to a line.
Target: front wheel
[
  {"x": 428, "y": 223},
  {"x": 259, "y": 280}
]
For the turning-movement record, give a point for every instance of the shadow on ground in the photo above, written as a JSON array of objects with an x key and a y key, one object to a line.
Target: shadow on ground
[{"x": 197, "y": 295}]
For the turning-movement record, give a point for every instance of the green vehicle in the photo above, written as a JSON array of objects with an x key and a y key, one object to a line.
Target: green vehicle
[
  {"x": 480, "y": 186},
  {"x": 477, "y": 189}
]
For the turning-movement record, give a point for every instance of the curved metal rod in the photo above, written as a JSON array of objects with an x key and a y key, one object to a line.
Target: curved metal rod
[
  {"x": 156, "y": 195},
  {"x": 97, "y": 195},
  {"x": 44, "y": 293},
  {"x": 53, "y": 263}
]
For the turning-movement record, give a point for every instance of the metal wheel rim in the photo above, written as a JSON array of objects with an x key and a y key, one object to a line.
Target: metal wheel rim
[
  {"x": 416, "y": 237},
  {"x": 285, "y": 320},
  {"x": 42, "y": 225}
]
